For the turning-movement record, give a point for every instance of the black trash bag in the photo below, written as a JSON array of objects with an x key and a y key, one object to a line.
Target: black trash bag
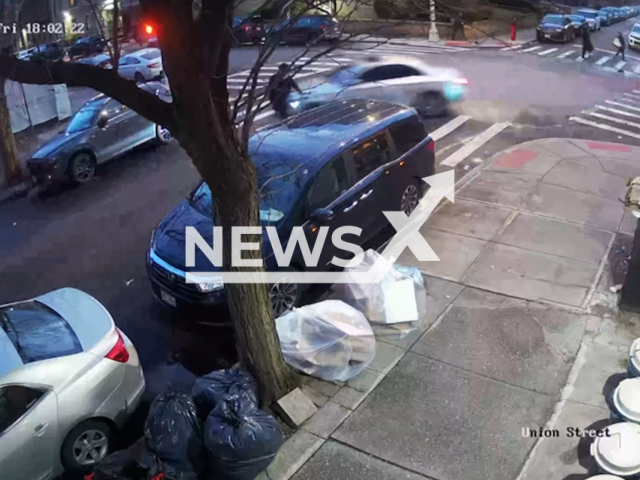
[
  {"x": 173, "y": 435},
  {"x": 210, "y": 389},
  {"x": 240, "y": 439},
  {"x": 122, "y": 465}
]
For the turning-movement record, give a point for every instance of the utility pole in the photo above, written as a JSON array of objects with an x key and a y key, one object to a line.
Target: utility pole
[{"x": 434, "y": 36}]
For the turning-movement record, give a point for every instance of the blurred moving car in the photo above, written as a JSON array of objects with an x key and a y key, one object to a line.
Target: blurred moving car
[
  {"x": 340, "y": 164},
  {"x": 153, "y": 42},
  {"x": 593, "y": 19},
  {"x": 49, "y": 52},
  {"x": 557, "y": 28},
  {"x": 100, "y": 60},
  {"x": 248, "y": 30},
  {"x": 69, "y": 378},
  {"x": 25, "y": 54},
  {"x": 403, "y": 80},
  {"x": 141, "y": 66},
  {"x": 88, "y": 45},
  {"x": 578, "y": 21},
  {"x": 634, "y": 36},
  {"x": 308, "y": 29},
  {"x": 101, "y": 130}
]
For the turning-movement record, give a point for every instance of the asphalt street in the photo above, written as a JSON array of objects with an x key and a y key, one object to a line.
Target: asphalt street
[{"x": 95, "y": 237}]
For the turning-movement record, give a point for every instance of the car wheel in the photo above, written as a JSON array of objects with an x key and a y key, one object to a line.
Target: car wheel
[
  {"x": 431, "y": 104},
  {"x": 284, "y": 295},
  {"x": 138, "y": 77},
  {"x": 86, "y": 445},
  {"x": 163, "y": 135},
  {"x": 82, "y": 168},
  {"x": 410, "y": 199}
]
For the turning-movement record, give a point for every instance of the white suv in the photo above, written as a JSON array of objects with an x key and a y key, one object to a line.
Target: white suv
[{"x": 634, "y": 37}]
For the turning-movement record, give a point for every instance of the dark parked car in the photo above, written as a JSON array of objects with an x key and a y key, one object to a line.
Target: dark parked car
[
  {"x": 340, "y": 164},
  {"x": 100, "y": 60},
  {"x": 88, "y": 45},
  {"x": 606, "y": 17},
  {"x": 308, "y": 29},
  {"x": 50, "y": 52},
  {"x": 556, "y": 28},
  {"x": 578, "y": 21},
  {"x": 248, "y": 30}
]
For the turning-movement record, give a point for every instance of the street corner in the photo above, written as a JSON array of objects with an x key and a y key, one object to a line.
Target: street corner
[
  {"x": 607, "y": 150},
  {"x": 528, "y": 157}
]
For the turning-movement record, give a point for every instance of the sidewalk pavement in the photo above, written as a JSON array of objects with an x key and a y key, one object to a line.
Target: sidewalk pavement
[
  {"x": 500, "y": 41},
  {"x": 522, "y": 331}
]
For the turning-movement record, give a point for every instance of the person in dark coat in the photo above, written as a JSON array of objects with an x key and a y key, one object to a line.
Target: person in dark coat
[
  {"x": 622, "y": 46},
  {"x": 458, "y": 26},
  {"x": 587, "y": 46},
  {"x": 279, "y": 87}
]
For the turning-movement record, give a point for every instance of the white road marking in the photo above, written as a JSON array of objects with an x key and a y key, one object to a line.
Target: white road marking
[
  {"x": 636, "y": 91},
  {"x": 463, "y": 152},
  {"x": 637, "y": 69},
  {"x": 611, "y": 119},
  {"x": 580, "y": 59},
  {"x": 630, "y": 101},
  {"x": 602, "y": 126},
  {"x": 448, "y": 127},
  {"x": 603, "y": 60},
  {"x": 546, "y": 52},
  {"x": 243, "y": 80},
  {"x": 618, "y": 104},
  {"x": 527, "y": 50},
  {"x": 619, "y": 112},
  {"x": 264, "y": 115},
  {"x": 633, "y": 96},
  {"x": 567, "y": 53},
  {"x": 619, "y": 65},
  {"x": 513, "y": 47}
]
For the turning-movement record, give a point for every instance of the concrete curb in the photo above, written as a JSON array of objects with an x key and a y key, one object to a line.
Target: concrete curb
[{"x": 14, "y": 192}]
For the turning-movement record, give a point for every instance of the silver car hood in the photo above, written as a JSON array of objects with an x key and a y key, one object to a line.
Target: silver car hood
[{"x": 59, "y": 142}]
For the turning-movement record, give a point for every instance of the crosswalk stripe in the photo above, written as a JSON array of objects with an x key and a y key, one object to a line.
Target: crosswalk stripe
[
  {"x": 631, "y": 101},
  {"x": 618, "y": 104},
  {"x": 580, "y": 59},
  {"x": 463, "y": 152},
  {"x": 567, "y": 53},
  {"x": 637, "y": 69},
  {"x": 611, "y": 119},
  {"x": 512, "y": 47},
  {"x": 615, "y": 110},
  {"x": 632, "y": 96},
  {"x": 547, "y": 52},
  {"x": 527, "y": 50},
  {"x": 636, "y": 91},
  {"x": 603, "y": 126},
  {"x": 243, "y": 80},
  {"x": 338, "y": 59},
  {"x": 619, "y": 65},
  {"x": 448, "y": 127},
  {"x": 603, "y": 60}
]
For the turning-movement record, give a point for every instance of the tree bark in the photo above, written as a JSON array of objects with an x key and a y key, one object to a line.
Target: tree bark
[{"x": 12, "y": 170}]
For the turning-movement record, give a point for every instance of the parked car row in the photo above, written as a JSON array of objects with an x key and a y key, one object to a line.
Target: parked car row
[
  {"x": 305, "y": 30},
  {"x": 556, "y": 27},
  {"x": 56, "y": 51}
]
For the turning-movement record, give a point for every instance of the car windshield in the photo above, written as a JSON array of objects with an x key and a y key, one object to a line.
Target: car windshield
[
  {"x": 587, "y": 14},
  {"x": 82, "y": 120},
  {"x": 344, "y": 75},
  {"x": 555, "y": 19},
  {"x": 151, "y": 55},
  {"x": 37, "y": 332},
  {"x": 279, "y": 184},
  {"x": 636, "y": 29}
]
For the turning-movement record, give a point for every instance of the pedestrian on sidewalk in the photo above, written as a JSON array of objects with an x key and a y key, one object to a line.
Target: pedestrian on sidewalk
[
  {"x": 618, "y": 42},
  {"x": 513, "y": 29},
  {"x": 587, "y": 46},
  {"x": 458, "y": 26},
  {"x": 279, "y": 87}
]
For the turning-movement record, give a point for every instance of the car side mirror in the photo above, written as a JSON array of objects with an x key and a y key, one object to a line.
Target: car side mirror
[
  {"x": 102, "y": 121},
  {"x": 321, "y": 215}
]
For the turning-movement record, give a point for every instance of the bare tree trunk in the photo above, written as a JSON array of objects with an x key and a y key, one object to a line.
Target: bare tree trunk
[
  {"x": 114, "y": 36},
  {"x": 12, "y": 170}
]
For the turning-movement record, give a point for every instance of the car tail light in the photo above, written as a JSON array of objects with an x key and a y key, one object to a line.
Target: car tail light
[
  {"x": 246, "y": 28},
  {"x": 323, "y": 27},
  {"x": 431, "y": 146},
  {"x": 153, "y": 65},
  {"x": 461, "y": 81},
  {"x": 119, "y": 351}
]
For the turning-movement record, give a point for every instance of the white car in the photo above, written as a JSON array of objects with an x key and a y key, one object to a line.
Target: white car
[
  {"x": 634, "y": 37},
  {"x": 593, "y": 19},
  {"x": 69, "y": 378},
  {"x": 142, "y": 66},
  {"x": 404, "y": 80}
]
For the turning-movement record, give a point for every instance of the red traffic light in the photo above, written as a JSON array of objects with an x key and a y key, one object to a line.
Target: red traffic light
[{"x": 148, "y": 28}]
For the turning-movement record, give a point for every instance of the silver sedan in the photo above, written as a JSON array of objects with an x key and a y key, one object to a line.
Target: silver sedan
[
  {"x": 101, "y": 130},
  {"x": 404, "y": 80},
  {"x": 69, "y": 378}
]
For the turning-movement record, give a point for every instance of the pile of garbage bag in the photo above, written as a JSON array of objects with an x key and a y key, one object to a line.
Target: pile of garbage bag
[
  {"x": 396, "y": 306},
  {"x": 216, "y": 432},
  {"x": 330, "y": 340}
]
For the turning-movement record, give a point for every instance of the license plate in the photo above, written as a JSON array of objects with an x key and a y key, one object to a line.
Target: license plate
[
  {"x": 547, "y": 36},
  {"x": 168, "y": 298}
]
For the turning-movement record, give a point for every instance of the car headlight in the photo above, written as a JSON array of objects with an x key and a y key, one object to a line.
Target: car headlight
[
  {"x": 153, "y": 236},
  {"x": 210, "y": 287},
  {"x": 295, "y": 104}
]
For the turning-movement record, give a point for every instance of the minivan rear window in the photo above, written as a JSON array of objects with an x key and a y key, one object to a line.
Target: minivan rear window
[
  {"x": 37, "y": 332},
  {"x": 407, "y": 134}
]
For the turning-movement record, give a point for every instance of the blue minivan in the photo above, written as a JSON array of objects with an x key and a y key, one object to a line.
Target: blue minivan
[{"x": 340, "y": 164}]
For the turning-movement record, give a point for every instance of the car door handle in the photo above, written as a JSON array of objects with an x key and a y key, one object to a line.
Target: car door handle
[
  {"x": 41, "y": 429},
  {"x": 351, "y": 207},
  {"x": 365, "y": 195}
]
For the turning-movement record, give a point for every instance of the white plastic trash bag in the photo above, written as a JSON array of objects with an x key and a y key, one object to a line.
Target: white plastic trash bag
[
  {"x": 395, "y": 306},
  {"x": 329, "y": 340}
]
